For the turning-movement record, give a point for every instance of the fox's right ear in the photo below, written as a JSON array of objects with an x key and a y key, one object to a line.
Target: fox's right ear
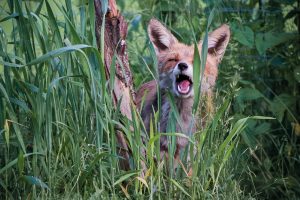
[{"x": 160, "y": 36}]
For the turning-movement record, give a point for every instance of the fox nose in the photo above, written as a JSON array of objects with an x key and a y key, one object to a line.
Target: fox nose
[{"x": 182, "y": 66}]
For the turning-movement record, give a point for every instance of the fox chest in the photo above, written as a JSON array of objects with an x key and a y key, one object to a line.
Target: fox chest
[
  {"x": 182, "y": 122},
  {"x": 169, "y": 121}
]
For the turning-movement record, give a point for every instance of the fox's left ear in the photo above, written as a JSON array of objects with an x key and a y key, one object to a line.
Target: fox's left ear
[{"x": 217, "y": 42}]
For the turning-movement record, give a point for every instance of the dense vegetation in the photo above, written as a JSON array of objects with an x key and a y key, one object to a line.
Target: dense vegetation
[{"x": 57, "y": 121}]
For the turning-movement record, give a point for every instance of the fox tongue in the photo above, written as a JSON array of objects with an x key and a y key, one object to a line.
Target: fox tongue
[{"x": 184, "y": 86}]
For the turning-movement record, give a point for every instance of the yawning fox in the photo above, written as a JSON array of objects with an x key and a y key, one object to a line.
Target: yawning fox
[{"x": 175, "y": 67}]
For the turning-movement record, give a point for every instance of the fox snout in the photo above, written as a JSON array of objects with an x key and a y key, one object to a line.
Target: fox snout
[
  {"x": 183, "y": 80},
  {"x": 182, "y": 66}
]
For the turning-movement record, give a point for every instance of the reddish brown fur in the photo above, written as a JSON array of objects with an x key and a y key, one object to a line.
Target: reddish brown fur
[
  {"x": 170, "y": 53},
  {"x": 176, "y": 53}
]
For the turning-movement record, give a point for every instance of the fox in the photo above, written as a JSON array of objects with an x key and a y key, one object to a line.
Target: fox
[{"x": 175, "y": 71}]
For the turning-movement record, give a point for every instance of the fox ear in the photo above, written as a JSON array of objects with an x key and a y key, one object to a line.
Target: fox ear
[
  {"x": 160, "y": 36},
  {"x": 217, "y": 42}
]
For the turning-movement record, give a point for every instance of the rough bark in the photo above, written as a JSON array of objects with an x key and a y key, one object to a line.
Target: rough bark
[{"x": 115, "y": 42}]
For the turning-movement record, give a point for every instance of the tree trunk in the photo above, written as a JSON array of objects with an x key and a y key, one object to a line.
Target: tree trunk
[{"x": 114, "y": 43}]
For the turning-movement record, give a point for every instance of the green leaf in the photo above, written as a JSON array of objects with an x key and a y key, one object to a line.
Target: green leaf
[
  {"x": 13, "y": 15},
  {"x": 262, "y": 128},
  {"x": 91, "y": 12},
  {"x": 264, "y": 41},
  {"x": 261, "y": 117},
  {"x": 69, "y": 22},
  {"x": 179, "y": 135},
  {"x": 196, "y": 76},
  {"x": 36, "y": 181},
  {"x": 238, "y": 127},
  {"x": 21, "y": 162},
  {"x": 6, "y": 132},
  {"x": 249, "y": 139},
  {"x": 39, "y": 8},
  {"x": 280, "y": 104},
  {"x": 196, "y": 66},
  {"x": 124, "y": 177},
  {"x": 13, "y": 118},
  {"x": 179, "y": 187},
  {"x": 13, "y": 162},
  {"x": 21, "y": 104},
  {"x": 251, "y": 131},
  {"x": 174, "y": 108},
  {"x": 53, "y": 25},
  {"x": 247, "y": 94},
  {"x": 243, "y": 34},
  {"x": 210, "y": 17},
  {"x": 50, "y": 55},
  {"x": 1, "y": 68}
]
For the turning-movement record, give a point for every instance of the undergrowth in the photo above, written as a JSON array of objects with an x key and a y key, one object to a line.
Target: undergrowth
[{"x": 58, "y": 121}]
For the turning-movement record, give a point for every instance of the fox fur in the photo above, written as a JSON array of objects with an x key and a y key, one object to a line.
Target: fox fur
[{"x": 175, "y": 67}]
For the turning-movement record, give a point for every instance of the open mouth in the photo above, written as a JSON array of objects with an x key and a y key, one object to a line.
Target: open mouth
[{"x": 184, "y": 84}]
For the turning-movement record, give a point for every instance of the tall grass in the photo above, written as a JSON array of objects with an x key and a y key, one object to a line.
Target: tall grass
[{"x": 58, "y": 122}]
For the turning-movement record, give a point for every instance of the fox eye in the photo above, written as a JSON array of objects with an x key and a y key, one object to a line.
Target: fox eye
[{"x": 172, "y": 60}]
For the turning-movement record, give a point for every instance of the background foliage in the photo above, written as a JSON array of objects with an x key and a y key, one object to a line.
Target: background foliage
[
  {"x": 57, "y": 120},
  {"x": 262, "y": 61}
]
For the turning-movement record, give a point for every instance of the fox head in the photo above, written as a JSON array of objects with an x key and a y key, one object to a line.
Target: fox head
[{"x": 175, "y": 59}]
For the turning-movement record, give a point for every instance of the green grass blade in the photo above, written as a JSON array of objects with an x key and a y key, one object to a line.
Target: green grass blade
[
  {"x": 15, "y": 161},
  {"x": 196, "y": 77},
  {"x": 180, "y": 187},
  {"x": 125, "y": 177}
]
